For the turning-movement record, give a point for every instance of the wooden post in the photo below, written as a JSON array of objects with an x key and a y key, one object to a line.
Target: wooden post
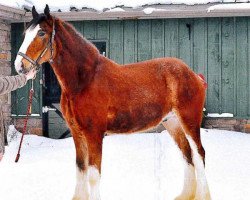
[{"x": 2, "y": 132}]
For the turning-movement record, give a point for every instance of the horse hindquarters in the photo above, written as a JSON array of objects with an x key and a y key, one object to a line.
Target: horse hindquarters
[{"x": 175, "y": 130}]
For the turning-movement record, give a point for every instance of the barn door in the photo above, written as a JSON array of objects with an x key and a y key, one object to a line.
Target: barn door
[{"x": 54, "y": 125}]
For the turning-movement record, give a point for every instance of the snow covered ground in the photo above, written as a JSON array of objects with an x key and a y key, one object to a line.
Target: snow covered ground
[{"x": 135, "y": 167}]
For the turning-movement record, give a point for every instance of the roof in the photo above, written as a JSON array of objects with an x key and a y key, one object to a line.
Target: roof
[
  {"x": 11, "y": 14},
  {"x": 154, "y": 11}
]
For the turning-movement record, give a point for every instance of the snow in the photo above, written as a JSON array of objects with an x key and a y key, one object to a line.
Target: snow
[
  {"x": 137, "y": 166},
  {"x": 149, "y": 11},
  {"x": 65, "y": 6},
  {"x": 33, "y": 115},
  {"x": 220, "y": 115},
  {"x": 116, "y": 10},
  {"x": 232, "y": 6},
  {"x": 16, "y": 3}
]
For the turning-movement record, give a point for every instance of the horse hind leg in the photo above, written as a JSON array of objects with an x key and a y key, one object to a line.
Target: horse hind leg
[
  {"x": 190, "y": 118},
  {"x": 175, "y": 130}
]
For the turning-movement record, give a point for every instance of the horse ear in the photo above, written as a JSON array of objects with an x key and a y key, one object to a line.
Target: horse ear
[
  {"x": 34, "y": 12},
  {"x": 46, "y": 10}
]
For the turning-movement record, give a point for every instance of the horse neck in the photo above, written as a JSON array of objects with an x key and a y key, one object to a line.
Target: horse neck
[{"x": 75, "y": 59}]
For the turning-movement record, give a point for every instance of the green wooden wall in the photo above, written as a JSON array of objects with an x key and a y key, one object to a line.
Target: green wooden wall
[{"x": 217, "y": 47}]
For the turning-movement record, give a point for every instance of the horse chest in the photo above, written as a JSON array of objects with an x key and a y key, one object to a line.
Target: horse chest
[{"x": 83, "y": 112}]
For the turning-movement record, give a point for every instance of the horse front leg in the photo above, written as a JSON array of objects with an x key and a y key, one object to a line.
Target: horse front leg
[
  {"x": 88, "y": 165},
  {"x": 82, "y": 188},
  {"x": 94, "y": 169}
]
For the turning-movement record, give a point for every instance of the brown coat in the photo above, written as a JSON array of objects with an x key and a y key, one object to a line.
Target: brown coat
[{"x": 10, "y": 83}]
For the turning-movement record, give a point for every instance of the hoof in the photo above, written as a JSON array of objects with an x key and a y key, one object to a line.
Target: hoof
[
  {"x": 76, "y": 198},
  {"x": 207, "y": 197},
  {"x": 181, "y": 197}
]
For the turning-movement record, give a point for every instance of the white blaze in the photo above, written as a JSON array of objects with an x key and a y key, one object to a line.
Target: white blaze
[{"x": 30, "y": 34}]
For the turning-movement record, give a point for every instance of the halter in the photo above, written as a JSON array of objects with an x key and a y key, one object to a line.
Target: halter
[{"x": 35, "y": 63}]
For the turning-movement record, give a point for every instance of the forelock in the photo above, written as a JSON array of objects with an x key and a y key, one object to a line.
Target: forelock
[{"x": 34, "y": 22}]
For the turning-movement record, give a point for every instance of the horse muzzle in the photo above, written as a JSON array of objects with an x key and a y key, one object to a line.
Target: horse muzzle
[
  {"x": 19, "y": 66},
  {"x": 21, "y": 69},
  {"x": 25, "y": 63}
]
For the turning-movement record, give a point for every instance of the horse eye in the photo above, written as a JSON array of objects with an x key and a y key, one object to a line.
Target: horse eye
[{"x": 41, "y": 33}]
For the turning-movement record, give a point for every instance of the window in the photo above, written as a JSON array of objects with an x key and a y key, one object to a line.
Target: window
[{"x": 101, "y": 46}]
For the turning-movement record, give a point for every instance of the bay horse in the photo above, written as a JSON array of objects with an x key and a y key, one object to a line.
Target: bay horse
[{"x": 100, "y": 96}]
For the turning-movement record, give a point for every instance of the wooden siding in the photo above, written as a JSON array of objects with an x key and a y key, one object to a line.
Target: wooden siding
[{"x": 215, "y": 47}]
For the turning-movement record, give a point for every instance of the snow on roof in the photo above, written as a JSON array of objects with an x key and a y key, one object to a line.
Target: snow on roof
[
  {"x": 99, "y": 5},
  {"x": 74, "y": 10},
  {"x": 220, "y": 7}
]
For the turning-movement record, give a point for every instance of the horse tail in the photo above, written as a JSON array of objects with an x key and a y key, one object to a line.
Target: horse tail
[{"x": 202, "y": 77}]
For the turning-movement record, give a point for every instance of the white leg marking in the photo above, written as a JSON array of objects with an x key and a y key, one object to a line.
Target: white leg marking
[
  {"x": 87, "y": 185},
  {"x": 202, "y": 191},
  {"x": 30, "y": 34},
  {"x": 189, "y": 186},
  {"x": 94, "y": 180},
  {"x": 82, "y": 189}
]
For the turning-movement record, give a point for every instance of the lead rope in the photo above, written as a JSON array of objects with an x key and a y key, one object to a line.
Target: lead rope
[{"x": 28, "y": 113}]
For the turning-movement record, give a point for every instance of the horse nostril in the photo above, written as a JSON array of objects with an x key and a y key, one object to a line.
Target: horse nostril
[
  {"x": 23, "y": 70},
  {"x": 20, "y": 71}
]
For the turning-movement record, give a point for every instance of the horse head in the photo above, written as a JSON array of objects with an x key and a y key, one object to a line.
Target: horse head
[{"x": 38, "y": 45}]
